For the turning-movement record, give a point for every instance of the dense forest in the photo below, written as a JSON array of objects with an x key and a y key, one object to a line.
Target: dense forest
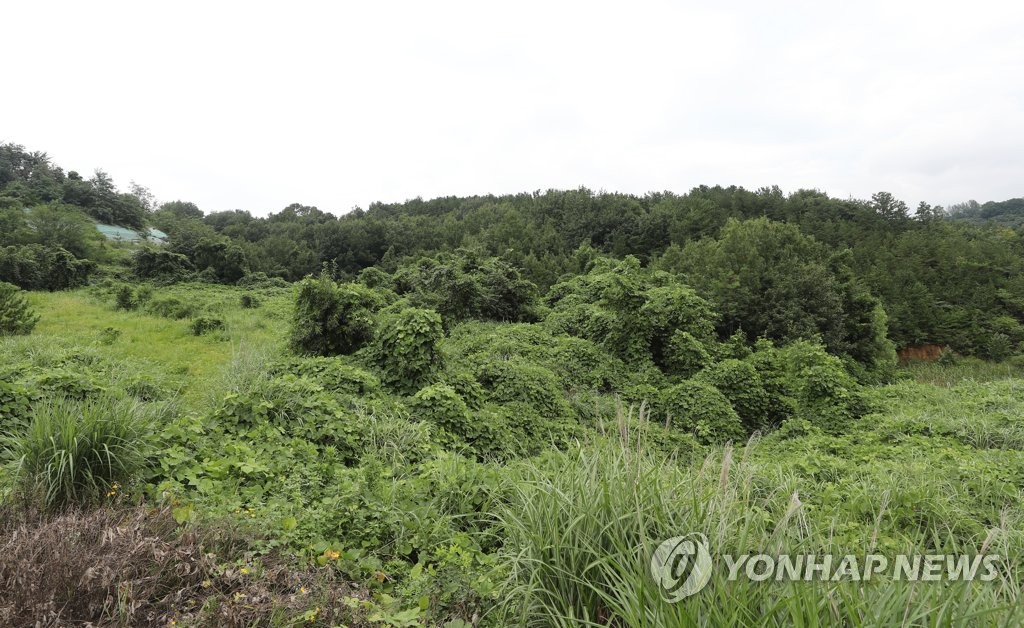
[{"x": 491, "y": 411}]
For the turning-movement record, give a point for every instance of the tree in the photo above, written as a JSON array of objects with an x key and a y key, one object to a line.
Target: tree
[
  {"x": 16, "y": 316},
  {"x": 769, "y": 280},
  {"x": 888, "y": 207},
  {"x": 61, "y": 226}
]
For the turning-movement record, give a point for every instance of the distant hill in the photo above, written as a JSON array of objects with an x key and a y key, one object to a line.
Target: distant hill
[{"x": 1009, "y": 213}]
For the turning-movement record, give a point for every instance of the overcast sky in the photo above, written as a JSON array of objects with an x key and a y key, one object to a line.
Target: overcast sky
[{"x": 256, "y": 105}]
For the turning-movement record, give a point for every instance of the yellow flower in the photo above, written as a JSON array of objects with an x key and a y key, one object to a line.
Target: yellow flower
[
  {"x": 244, "y": 570},
  {"x": 332, "y": 554}
]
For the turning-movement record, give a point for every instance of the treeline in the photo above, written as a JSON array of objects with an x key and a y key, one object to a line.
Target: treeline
[
  {"x": 940, "y": 281},
  {"x": 774, "y": 265}
]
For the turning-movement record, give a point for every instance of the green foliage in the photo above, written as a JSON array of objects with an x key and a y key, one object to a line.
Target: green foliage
[
  {"x": 824, "y": 393},
  {"x": 204, "y": 325},
  {"x": 37, "y": 267},
  {"x": 16, "y": 315},
  {"x": 125, "y": 298},
  {"x": 160, "y": 264},
  {"x": 249, "y": 301},
  {"x": 465, "y": 286},
  {"x": 331, "y": 373},
  {"x": 77, "y": 452},
  {"x": 684, "y": 355},
  {"x": 331, "y": 318},
  {"x": 741, "y": 384},
  {"x": 442, "y": 406},
  {"x": 699, "y": 408},
  {"x": 407, "y": 348},
  {"x": 170, "y": 307},
  {"x": 633, "y": 313},
  {"x": 772, "y": 281}
]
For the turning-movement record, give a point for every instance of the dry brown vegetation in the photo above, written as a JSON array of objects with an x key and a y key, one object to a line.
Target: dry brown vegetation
[{"x": 134, "y": 567}]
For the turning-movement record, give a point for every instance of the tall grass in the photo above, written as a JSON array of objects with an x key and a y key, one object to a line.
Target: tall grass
[
  {"x": 580, "y": 528},
  {"x": 75, "y": 452}
]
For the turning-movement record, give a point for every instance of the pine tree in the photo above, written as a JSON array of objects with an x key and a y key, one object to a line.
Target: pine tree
[{"x": 16, "y": 316}]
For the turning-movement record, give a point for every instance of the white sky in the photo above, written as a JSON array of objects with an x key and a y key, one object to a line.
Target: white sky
[{"x": 255, "y": 105}]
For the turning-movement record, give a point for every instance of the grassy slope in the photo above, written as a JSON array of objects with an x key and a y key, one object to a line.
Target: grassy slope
[{"x": 166, "y": 345}]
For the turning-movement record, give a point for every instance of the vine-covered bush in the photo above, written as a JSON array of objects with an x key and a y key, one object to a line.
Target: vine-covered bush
[
  {"x": 697, "y": 407},
  {"x": 442, "y": 406},
  {"x": 684, "y": 355},
  {"x": 407, "y": 348},
  {"x": 826, "y": 395},
  {"x": 331, "y": 373},
  {"x": 160, "y": 264},
  {"x": 517, "y": 380},
  {"x": 16, "y": 315},
  {"x": 741, "y": 385},
  {"x": 332, "y": 319}
]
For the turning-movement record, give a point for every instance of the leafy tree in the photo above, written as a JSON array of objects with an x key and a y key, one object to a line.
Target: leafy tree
[
  {"x": 769, "y": 280},
  {"x": 62, "y": 226}
]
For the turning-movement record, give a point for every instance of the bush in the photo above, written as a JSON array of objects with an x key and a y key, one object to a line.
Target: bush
[
  {"x": 825, "y": 394},
  {"x": 331, "y": 373},
  {"x": 152, "y": 263},
  {"x": 170, "y": 307},
  {"x": 204, "y": 325},
  {"x": 741, "y": 385},
  {"x": 697, "y": 407},
  {"x": 16, "y": 316},
  {"x": 261, "y": 280},
  {"x": 684, "y": 355},
  {"x": 407, "y": 348},
  {"x": 77, "y": 451},
  {"x": 38, "y": 267},
  {"x": 517, "y": 380},
  {"x": 249, "y": 302},
  {"x": 332, "y": 319},
  {"x": 125, "y": 298},
  {"x": 442, "y": 406}
]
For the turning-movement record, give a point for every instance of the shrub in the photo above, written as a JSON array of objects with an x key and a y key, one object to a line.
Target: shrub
[
  {"x": 125, "y": 298},
  {"x": 170, "y": 307},
  {"x": 697, "y": 407},
  {"x": 38, "y": 267},
  {"x": 204, "y": 325},
  {"x": 76, "y": 451},
  {"x": 684, "y": 355},
  {"x": 109, "y": 335},
  {"x": 442, "y": 406},
  {"x": 152, "y": 263},
  {"x": 261, "y": 280},
  {"x": 331, "y": 373},
  {"x": 517, "y": 380},
  {"x": 249, "y": 301},
  {"x": 741, "y": 385},
  {"x": 407, "y": 348},
  {"x": 332, "y": 319},
  {"x": 16, "y": 316},
  {"x": 825, "y": 394}
]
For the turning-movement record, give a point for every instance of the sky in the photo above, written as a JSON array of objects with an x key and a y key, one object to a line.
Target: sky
[{"x": 253, "y": 105}]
